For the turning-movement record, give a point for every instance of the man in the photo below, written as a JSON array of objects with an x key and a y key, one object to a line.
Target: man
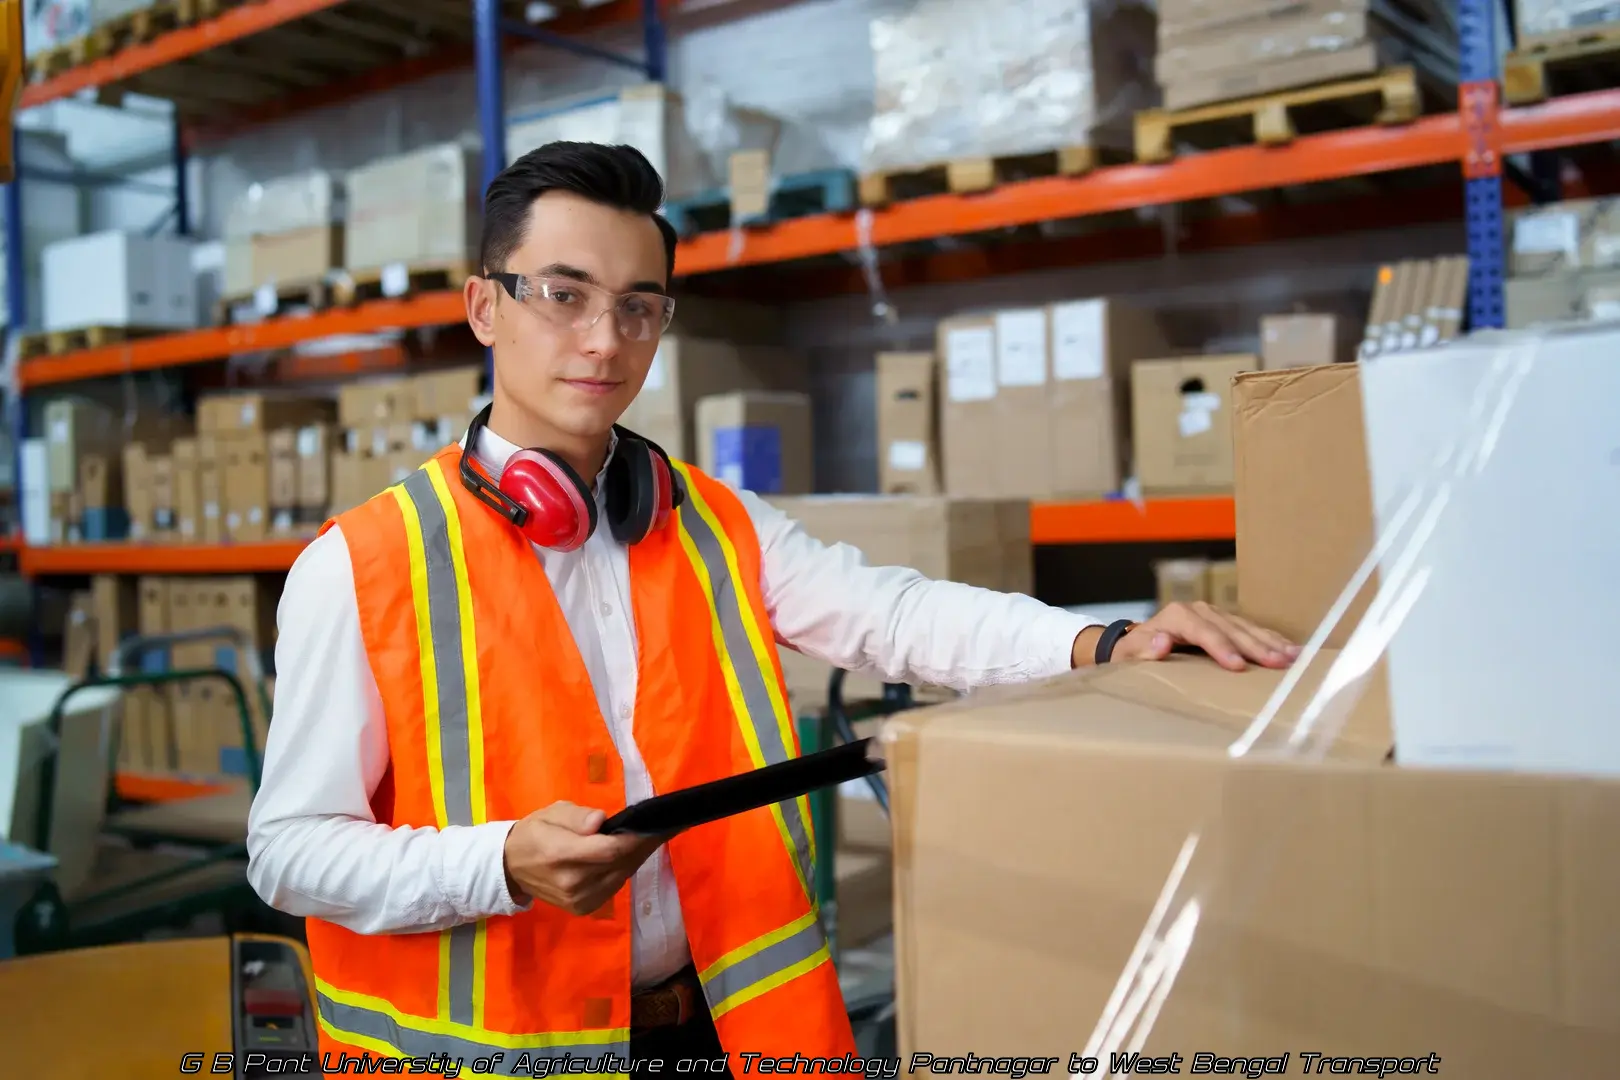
[{"x": 470, "y": 675}]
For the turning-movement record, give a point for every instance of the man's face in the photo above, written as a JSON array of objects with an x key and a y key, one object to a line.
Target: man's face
[{"x": 552, "y": 360}]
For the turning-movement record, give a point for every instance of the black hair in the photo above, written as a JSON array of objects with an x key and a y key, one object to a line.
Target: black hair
[{"x": 617, "y": 176}]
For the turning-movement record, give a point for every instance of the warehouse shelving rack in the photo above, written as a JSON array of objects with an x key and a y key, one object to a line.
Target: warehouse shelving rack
[{"x": 1479, "y": 137}]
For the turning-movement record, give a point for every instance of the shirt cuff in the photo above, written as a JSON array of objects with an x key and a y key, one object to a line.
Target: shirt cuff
[
  {"x": 1065, "y": 626},
  {"x": 483, "y": 888}
]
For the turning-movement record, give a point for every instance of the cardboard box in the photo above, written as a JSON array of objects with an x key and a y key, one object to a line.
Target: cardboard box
[
  {"x": 1416, "y": 303},
  {"x": 160, "y": 474},
  {"x": 246, "y": 478},
  {"x": 188, "y": 507},
  {"x": 908, "y": 424},
  {"x": 141, "y": 281},
  {"x": 1572, "y": 297},
  {"x": 687, "y": 368},
  {"x": 1036, "y": 400},
  {"x": 1222, "y": 585},
  {"x": 1182, "y": 421},
  {"x": 419, "y": 209},
  {"x": 75, "y": 426},
  {"x": 757, "y": 440},
  {"x": 1293, "y": 341},
  {"x": 376, "y": 401},
  {"x": 1182, "y": 581},
  {"x": 282, "y": 493},
  {"x": 447, "y": 396},
  {"x": 1577, "y": 234},
  {"x": 229, "y": 414},
  {"x": 314, "y": 494},
  {"x": 1304, "y": 496},
  {"x": 211, "y": 458},
  {"x": 1313, "y": 903},
  {"x": 983, "y": 542}
]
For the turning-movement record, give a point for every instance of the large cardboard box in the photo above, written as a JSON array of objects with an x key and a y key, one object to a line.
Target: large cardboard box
[
  {"x": 1300, "y": 340},
  {"x": 1120, "y": 881},
  {"x": 686, "y": 369},
  {"x": 254, "y": 411},
  {"x": 247, "y": 487},
  {"x": 757, "y": 440},
  {"x": 1578, "y": 234},
  {"x": 1304, "y": 496},
  {"x": 908, "y": 424},
  {"x": 140, "y": 281},
  {"x": 1182, "y": 422}
]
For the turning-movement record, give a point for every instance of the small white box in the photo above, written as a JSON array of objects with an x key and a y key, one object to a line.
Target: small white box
[{"x": 119, "y": 279}]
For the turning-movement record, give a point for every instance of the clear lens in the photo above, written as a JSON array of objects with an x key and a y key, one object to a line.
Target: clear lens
[{"x": 578, "y": 305}]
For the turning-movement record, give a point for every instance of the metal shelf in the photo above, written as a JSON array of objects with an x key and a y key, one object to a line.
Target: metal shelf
[
  {"x": 1100, "y": 522},
  {"x": 140, "y": 787}
]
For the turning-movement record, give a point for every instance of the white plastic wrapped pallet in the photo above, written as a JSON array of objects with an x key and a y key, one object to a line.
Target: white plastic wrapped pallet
[
  {"x": 958, "y": 80},
  {"x": 1539, "y": 18}
]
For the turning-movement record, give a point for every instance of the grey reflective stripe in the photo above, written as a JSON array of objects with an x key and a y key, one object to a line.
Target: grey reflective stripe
[
  {"x": 370, "y": 1024},
  {"x": 450, "y": 693},
  {"x": 761, "y": 716},
  {"x": 772, "y": 959},
  {"x": 444, "y": 619},
  {"x": 463, "y": 939}
]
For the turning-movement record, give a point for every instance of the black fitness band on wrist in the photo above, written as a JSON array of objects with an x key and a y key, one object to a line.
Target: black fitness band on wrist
[{"x": 1110, "y": 637}]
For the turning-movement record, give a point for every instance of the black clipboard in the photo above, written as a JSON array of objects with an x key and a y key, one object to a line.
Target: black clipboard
[{"x": 677, "y": 811}]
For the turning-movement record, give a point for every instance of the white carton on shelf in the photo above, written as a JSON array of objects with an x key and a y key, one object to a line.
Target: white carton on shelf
[
  {"x": 119, "y": 279},
  {"x": 417, "y": 209}
]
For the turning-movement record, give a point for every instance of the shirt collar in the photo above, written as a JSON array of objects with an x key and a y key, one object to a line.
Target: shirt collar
[{"x": 493, "y": 452}]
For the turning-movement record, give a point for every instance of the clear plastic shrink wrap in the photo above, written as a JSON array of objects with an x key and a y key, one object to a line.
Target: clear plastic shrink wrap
[
  {"x": 957, "y": 80},
  {"x": 1540, "y": 18},
  {"x": 1394, "y": 858}
]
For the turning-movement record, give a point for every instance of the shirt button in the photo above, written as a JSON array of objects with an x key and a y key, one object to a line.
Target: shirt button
[
  {"x": 646, "y": 908},
  {"x": 607, "y": 611},
  {"x": 624, "y": 712}
]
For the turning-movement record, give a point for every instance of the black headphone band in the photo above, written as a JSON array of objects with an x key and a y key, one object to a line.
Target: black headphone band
[{"x": 479, "y": 484}]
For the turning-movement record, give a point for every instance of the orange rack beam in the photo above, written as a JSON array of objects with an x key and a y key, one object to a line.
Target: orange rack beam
[
  {"x": 1125, "y": 522},
  {"x": 138, "y": 787},
  {"x": 216, "y": 343},
  {"x": 1109, "y": 522},
  {"x": 269, "y": 557},
  {"x": 228, "y": 26}
]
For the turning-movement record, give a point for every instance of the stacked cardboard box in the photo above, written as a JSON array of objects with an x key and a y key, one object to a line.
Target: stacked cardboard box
[
  {"x": 195, "y": 727},
  {"x": 283, "y": 231},
  {"x": 1036, "y": 400},
  {"x": 688, "y": 368},
  {"x": 757, "y": 440},
  {"x": 416, "y": 210},
  {"x": 1564, "y": 263},
  {"x": 1188, "y": 581},
  {"x": 388, "y": 428},
  {"x": 231, "y": 474},
  {"x": 1303, "y": 340},
  {"x": 1218, "y": 50},
  {"x": 140, "y": 282},
  {"x": 1415, "y": 303}
]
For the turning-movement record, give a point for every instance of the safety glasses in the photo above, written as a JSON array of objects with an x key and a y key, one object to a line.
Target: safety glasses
[{"x": 578, "y": 305}]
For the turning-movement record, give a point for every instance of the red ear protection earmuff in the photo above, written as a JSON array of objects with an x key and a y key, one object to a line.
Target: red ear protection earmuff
[{"x": 547, "y": 501}]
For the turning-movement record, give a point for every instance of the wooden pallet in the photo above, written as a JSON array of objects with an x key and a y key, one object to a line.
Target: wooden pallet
[
  {"x": 824, "y": 191},
  {"x": 132, "y": 28},
  {"x": 1563, "y": 63},
  {"x": 316, "y": 294},
  {"x": 963, "y": 176},
  {"x": 356, "y": 286},
  {"x": 57, "y": 342},
  {"x": 1390, "y": 97}
]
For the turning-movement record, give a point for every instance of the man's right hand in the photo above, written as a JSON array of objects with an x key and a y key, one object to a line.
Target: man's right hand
[{"x": 555, "y": 855}]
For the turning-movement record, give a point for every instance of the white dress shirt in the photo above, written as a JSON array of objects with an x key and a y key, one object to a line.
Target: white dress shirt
[{"x": 315, "y": 848}]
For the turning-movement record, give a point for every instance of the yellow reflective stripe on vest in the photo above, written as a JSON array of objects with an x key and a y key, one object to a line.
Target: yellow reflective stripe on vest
[
  {"x": 763, "y": 964},
  {"x": 451, "y": 707},
  {"x": 756, "y": 697},
  {"x": 372, "y": 1024}
]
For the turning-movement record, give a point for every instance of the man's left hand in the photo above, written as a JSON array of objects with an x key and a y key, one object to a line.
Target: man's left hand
[{"x": 1233, "y": 641}]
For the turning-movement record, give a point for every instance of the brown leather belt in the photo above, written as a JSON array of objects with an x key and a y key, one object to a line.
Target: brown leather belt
[{"x": 668, "y": 1004}]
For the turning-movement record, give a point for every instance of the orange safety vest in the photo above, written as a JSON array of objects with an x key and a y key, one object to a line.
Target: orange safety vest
[{"x": 491, "y": 716}]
